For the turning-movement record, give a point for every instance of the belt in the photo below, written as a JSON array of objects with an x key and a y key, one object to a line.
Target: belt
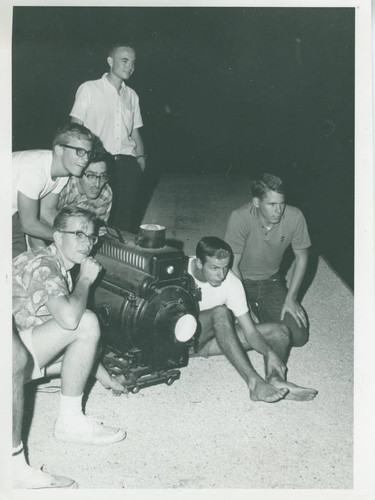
[
  {"x": 274, "y": 277},
  {"x": 118, "y": 157}
]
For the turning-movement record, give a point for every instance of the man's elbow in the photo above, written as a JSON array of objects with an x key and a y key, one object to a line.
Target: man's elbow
[{"x": 28, "y": 227}]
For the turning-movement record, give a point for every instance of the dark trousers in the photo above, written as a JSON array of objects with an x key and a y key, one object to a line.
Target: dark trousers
[
  {"x": 125, "y": 182},
  {"x": 266, "y": 299}
]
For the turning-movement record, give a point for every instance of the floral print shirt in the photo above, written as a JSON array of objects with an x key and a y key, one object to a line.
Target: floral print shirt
[{"x": 39, "y": 275}]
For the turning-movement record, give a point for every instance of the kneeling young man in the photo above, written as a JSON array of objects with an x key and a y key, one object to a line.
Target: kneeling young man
[
  {"x": 61, "y": 334},
  {"x": 222, "y": 297}
]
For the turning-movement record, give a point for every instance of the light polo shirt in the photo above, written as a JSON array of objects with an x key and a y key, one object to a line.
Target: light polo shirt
[
  {"x": 112, "y": 116},
  {"x": 230, "y": 293},
  {"x": 32, "y": 176},
  {"x": 262, "y": 250}
]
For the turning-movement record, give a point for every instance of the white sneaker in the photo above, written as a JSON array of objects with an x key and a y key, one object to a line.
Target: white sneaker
[
  {"x": 85, "y": 430},
  {"x": 38, "y": 479}
]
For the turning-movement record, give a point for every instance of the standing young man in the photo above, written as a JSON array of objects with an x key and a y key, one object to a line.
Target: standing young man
[
  {"x": 111, "y": 110},
  {"x": 259, "y": 234},
  {"x": 38, "y": 178}
]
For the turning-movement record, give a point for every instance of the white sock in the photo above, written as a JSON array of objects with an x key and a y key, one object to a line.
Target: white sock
[{"x": 70, "y": 406}]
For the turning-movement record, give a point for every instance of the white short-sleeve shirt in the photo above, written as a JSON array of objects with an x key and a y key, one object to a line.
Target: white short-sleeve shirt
[
  {"x": 230, "y": 293},
  {"x": 32, "y": 175},
  {"x": 110, "y": 115}
]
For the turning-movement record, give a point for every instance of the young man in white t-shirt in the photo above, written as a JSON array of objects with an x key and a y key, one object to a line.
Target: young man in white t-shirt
[
  {"x": 38, "y": 178},
  {"x": 223, "y": 301}
]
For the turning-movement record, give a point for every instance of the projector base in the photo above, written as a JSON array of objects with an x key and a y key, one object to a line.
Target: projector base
[{"x": 136, "y": 377}]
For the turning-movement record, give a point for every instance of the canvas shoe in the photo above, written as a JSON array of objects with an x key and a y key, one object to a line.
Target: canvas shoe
[
  {"x": 86, "y": 430},
  {"x": 39, "y": 479}
]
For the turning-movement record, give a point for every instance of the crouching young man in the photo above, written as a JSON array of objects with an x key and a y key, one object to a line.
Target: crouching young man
[
  {"x": 223, "y": 296},
  {"x": 61, "y": 334}
]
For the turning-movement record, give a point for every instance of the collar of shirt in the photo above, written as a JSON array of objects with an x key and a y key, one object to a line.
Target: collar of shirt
[
  {"x": 54, "y": 251},
  {"x": 109, "y": 84},
  {"x": 254, "y": 211},
  {"x": 74, "y": 185}
]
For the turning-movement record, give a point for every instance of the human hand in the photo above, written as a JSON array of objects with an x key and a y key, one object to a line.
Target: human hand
[
  {"x": 142, "y": 162},
  {"x": 117, "y": 385},
  {"x": 294, "y": 309},
  {"x": 90, "y": 268},
  {"x": 275, "y": 365}
]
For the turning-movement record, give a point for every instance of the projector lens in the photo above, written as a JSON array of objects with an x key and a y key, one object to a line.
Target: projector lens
[{"x": 185, "y": 327}]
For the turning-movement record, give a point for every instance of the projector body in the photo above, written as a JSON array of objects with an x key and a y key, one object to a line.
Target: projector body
[{"x": 147, "y": 305}]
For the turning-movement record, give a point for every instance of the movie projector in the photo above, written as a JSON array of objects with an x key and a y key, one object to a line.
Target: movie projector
[{"x": 147, "y": 304}]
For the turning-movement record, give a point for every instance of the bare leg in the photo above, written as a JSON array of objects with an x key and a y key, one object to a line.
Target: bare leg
[
  {"x": 21, "y": 361},
  {"x": 278, "y": 337},
  {"x": 99, "y": 372},
  {"x": 24, "y": 476},
  {"x": 80, "y": 346},
  {"x": 217, "y": 325}
]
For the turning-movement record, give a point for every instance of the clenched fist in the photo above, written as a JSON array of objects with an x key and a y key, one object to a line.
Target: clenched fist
[{"x": 90, "y": 268}]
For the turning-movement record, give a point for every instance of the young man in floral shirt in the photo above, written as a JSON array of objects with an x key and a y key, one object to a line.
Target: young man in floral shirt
[{"x": 58, "y": 330}]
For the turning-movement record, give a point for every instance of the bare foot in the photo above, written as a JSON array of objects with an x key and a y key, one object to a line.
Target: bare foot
[
  {"x": 267, "y": 393},
  {"x": 296, "y": 392}
]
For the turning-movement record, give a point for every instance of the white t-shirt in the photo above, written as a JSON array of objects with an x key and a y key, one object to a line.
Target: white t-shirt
[
  {"x": 112, "y": 116},
  {"x": 32, "y": 176},
  {"x": 230, "y": 293}
]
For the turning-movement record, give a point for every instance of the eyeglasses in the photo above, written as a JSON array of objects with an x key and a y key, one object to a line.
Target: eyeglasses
[
  {"x": 81, "y": 152},
  {"x": 82, "y": 237},
  {"x": 93, "y": 178}
]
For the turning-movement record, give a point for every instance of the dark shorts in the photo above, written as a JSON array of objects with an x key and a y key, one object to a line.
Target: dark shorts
[{"x": 266, "y": 299}]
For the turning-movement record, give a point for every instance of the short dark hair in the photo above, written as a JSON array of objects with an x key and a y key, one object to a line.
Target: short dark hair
[
  {"x": 211, "y": 246},
  {"x": 101, "y": 154},
  {"x": 72, "y": 129},
  {"x": 65, "y": 213},
  {"x": 268, "y": 182},
  {"x": 120, "y": 43}
]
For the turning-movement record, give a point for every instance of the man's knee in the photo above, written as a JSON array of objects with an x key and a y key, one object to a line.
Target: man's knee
[
  {"x": 211, "y": 321},
  {"x": 300, "y": 339},
  {"x": 89, "y": 328},
  {"x": 221, "y": 313},
  {"x": 299, "y": 334},
  {"x": 283, "y": 333}
]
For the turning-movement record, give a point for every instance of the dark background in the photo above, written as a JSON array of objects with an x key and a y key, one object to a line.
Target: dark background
[{"x": 226, "y": 90}]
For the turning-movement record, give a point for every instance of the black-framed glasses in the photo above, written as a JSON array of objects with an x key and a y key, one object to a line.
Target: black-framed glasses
[
  {"x": 82, "y": 237},
  {"x": 93, "y": 177},
  {"x": 81, "y": 152}
]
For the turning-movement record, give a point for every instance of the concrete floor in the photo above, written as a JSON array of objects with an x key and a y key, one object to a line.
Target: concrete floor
[{"x": 204, "y": 432}]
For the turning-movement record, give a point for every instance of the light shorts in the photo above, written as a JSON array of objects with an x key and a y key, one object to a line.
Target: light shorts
[{"x": 37, "y": 372}]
